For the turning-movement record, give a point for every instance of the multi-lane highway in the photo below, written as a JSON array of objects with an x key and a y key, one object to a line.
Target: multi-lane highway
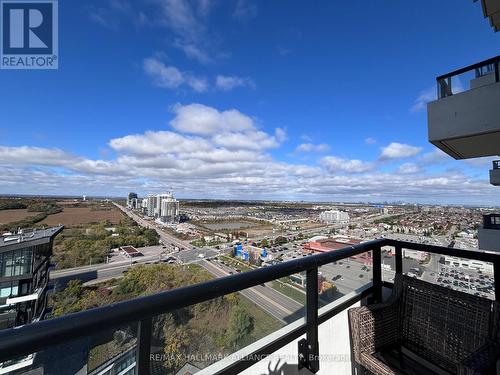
[
  {"x": 275, "y": 303},
  {"x": 165, "y": 237},
  {"x": 101, "y": 272}
]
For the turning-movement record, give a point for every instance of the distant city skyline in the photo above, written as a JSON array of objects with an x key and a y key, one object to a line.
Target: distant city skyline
[{"x": 246, "y": 100}]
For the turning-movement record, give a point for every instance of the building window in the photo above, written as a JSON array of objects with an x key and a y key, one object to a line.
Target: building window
[
  {"x": 9, "y": 289},
  {"x": 15, "y": 263}
]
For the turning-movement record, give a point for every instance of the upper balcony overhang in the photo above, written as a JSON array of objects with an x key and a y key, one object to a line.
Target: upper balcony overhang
[
  {"x": 464, "y": 122},
  {"x": 491, "y": 10}
]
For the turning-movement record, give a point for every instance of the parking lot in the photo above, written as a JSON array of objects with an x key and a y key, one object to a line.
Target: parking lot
[{"x": 469, "y": 281}]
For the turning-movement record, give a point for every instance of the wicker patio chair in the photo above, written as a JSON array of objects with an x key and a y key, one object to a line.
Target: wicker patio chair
[{"x": 424, "y": 328}]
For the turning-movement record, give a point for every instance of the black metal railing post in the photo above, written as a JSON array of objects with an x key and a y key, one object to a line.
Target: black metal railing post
[
  {"x": 399, "y": 259},
  {"x": 377, "y": 274},
  {"x": 144, "y": 347},
  {"x": 309, "y": 347},
  {"x": 496, "y": 277},
  {"x": 497, "y": 74}
]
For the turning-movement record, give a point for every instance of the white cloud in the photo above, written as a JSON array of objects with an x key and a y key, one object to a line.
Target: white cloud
[
  {"x": 109, "y": 13},
  {"x": 188, "y": 21},
  {"x": 434, "y": 157},
  {"x": 180, "y": 17},
  {"x": 423, "y": 98},
  {"x": 158, "y": 143},
  {"x": 193, "y": 51},
  {"x": 198, "y": 84},
  {"x": 203, "y": 120},
  {"x": 311, "y": 147},
  {"x": 252, "y": 140},
  {"x": 408, "y": 168},
  {"x": 172, "y": 78},
  {"x": 398, "y": 151},
  {"x": 225, "y": 155},
  {"x": 245, "y": 10},
  {"x": 280, "y": 135},
  {"x": 35, "y": 155},
  {"x": 336, "y": 164},
  {"x": 227, "y": 83},
  {"x": 370, "y": 141}
]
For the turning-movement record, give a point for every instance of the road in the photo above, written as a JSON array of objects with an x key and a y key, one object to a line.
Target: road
[
  {"x": 165, "y": 237},
  {"x": 278, "y": 305},
  {"x": 100, "y": 272}
]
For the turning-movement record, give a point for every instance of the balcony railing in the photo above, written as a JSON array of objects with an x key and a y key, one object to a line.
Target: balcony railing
[
  {"x": 454, "y": 82},
  {"x": 24, "y": 340}
]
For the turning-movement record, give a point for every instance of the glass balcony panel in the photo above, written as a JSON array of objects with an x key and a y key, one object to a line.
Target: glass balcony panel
[
  {"x": 195, "y": 337},
  {"x": 111, "y": 352},
  {"x": 345, "y": 276}
]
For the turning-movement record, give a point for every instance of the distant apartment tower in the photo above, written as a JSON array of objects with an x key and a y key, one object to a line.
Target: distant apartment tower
[
  {"x": 150, "y": 205},
  {"x": 24, "y": 275},
  {"x": 169, "y": 208},
  {"x": 132, "y": 201},
  {"x": 334, "y": 217}
]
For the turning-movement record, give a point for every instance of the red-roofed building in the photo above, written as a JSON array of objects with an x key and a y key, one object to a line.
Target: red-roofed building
[{"x": 332, "y": 244}]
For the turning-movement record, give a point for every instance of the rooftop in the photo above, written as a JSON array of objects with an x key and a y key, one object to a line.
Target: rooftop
[{"x": 11, "y": 240}]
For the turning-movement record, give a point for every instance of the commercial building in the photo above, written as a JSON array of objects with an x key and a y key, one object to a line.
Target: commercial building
[
  {"x": 336, "y": 243},
  {"x": 24, "y": 275},
  {"x": 252, "y": 254},
  {"x": 334, "y": 217},
  {"x": 329, "y": 244},
  {"x": 130, "y": 251},
  {"x": 468, "y": 264}
]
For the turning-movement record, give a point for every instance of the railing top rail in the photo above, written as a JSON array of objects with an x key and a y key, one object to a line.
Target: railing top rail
[
  {"x": 39, "y": 335},
  {"x": 469, "y": 68}
]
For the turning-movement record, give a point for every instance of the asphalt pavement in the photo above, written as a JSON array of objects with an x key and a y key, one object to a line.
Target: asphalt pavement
[{"x": 275, "y": 303}]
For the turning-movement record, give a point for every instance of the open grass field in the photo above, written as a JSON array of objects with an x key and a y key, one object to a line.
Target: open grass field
[
  {"x": 82, "y": 215},
  {"x": 8, "y": 216}
]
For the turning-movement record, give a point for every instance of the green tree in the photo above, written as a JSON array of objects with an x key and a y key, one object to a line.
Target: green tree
[
  {"x": 241, "y": 324},
  {"x": 176, "y": 343},
  {"x": 280, "y": 240},
  {"x": 68, "y": 300}
]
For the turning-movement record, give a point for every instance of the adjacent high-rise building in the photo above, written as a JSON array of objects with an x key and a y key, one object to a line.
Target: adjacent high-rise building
[{"x": 24, "y": 275}]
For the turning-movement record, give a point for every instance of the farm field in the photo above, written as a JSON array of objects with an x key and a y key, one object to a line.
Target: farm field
[
  {"x": 8, "y": 216},
  {"x": 82, "y": 215}
]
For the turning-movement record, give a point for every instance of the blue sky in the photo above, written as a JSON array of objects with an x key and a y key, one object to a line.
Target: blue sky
[{"x": 238, "y": 99}]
